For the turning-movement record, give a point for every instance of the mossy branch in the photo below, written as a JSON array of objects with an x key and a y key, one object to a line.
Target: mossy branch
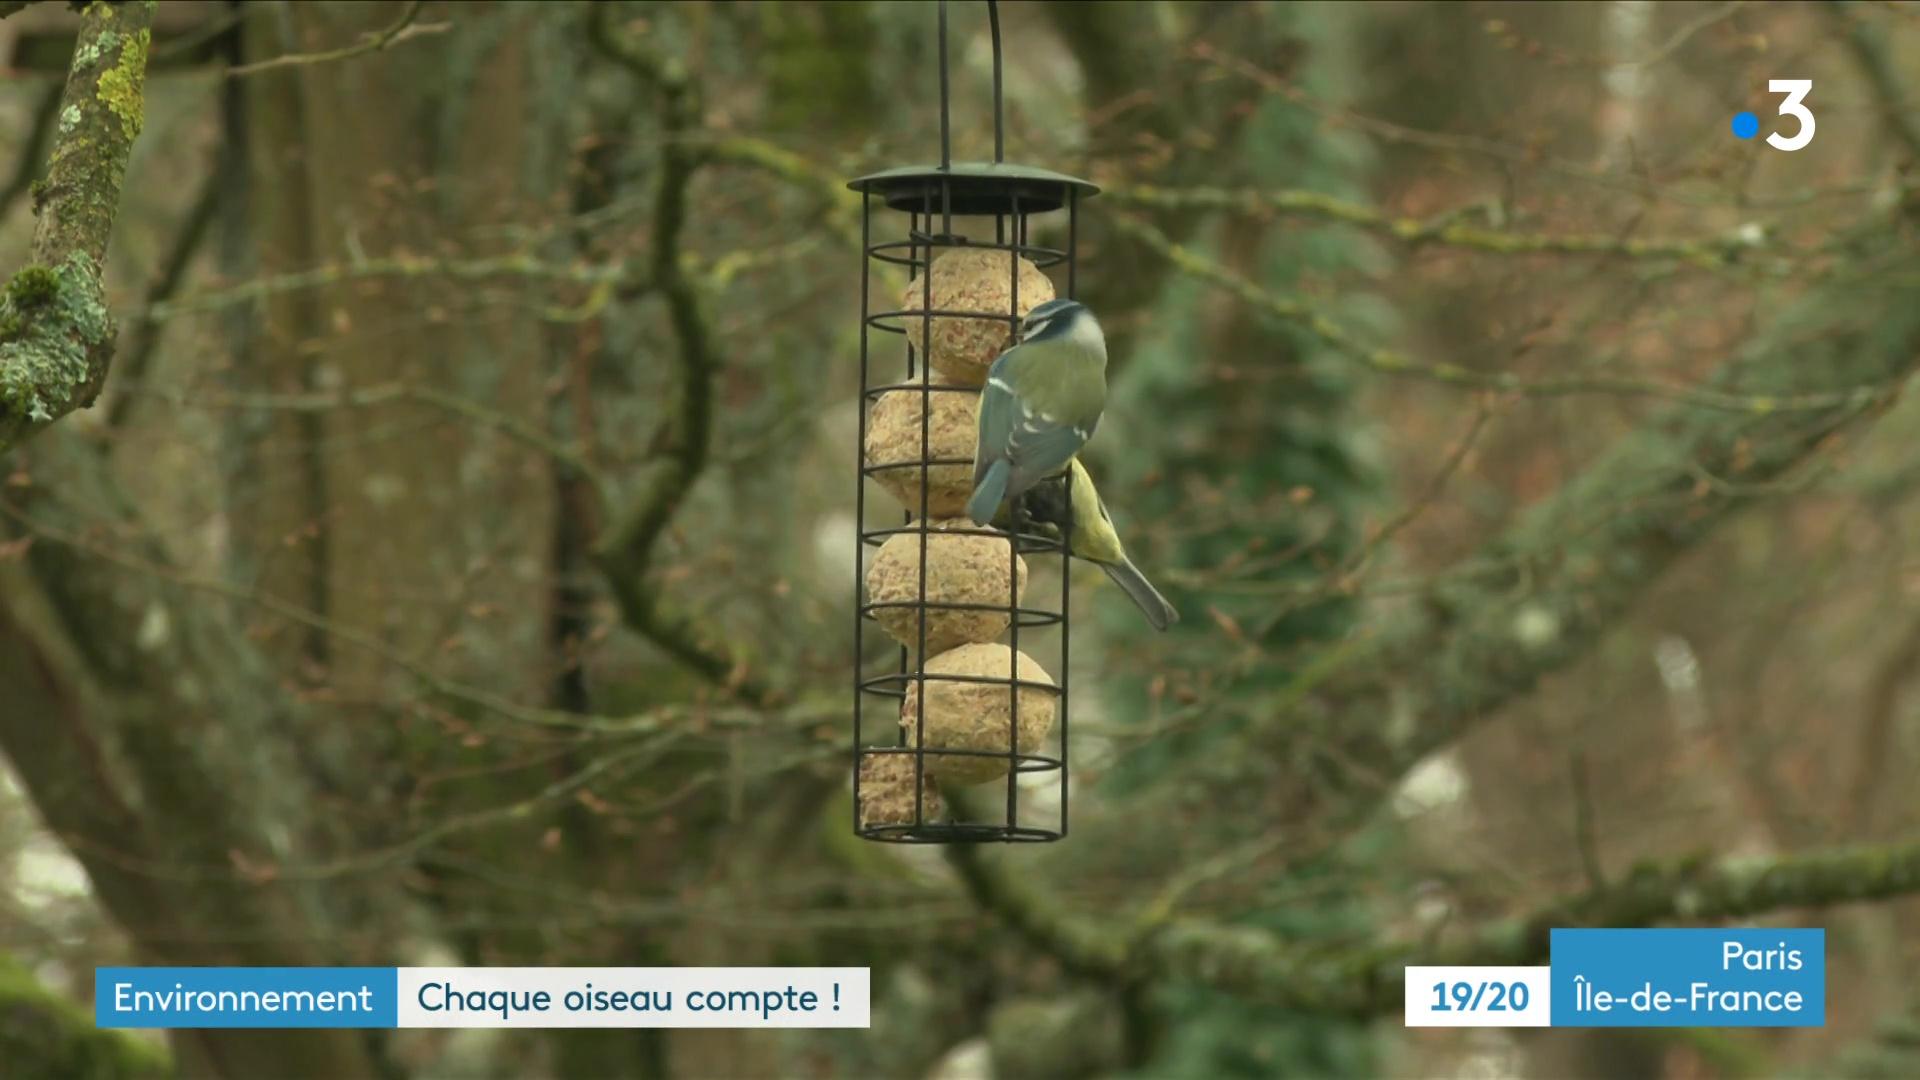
[
  {"x": 1370, "y": 982},
  {"x": 1263, "y": 966},
  {"x": 56, "y": 337}
]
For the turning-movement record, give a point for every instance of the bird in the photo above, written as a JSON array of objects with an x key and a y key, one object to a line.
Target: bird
[
  {"x": 1091, "y": 536},
  {"x": 1042, "y": 401}
]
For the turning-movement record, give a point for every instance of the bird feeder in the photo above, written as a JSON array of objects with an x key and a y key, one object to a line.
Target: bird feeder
[{"x": 962, "y": 703}]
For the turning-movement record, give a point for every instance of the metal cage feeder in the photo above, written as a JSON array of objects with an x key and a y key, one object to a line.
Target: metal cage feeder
[{"x": 931, "y": 197}]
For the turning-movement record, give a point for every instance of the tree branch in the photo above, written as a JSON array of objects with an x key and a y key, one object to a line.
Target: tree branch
[
  {"x": 1446, "y": 230},
  {"x": 1386, "y": 361},
  {"x": 1870, "y": 53},
  {"x": 1572, "y": 565},
  {"x": 56, "y": 336},
  {"x": 1261, "y": 965},
  {"x": 1369, "y": 983},
  {"x": 146, "y": 332},
  {"x": 403, "y": 29},
  {"x": 625, "y": 552},
  {"x": 1083, "y": 947}
]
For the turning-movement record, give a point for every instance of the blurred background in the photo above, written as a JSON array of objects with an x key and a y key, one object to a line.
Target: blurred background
[{"x": 458, "y": 566}]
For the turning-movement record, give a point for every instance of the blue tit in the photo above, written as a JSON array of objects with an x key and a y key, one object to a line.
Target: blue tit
[
  {"x": 1042, "y": 400},
  {"x": 1093, "y": 537}
]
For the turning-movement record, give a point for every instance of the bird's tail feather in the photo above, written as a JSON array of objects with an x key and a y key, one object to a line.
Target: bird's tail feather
[
  {"x": 989, "y": 492},
  {"x": 1142, "y": 593}
]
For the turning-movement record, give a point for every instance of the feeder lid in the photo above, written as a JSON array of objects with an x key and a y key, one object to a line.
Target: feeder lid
[{"x": 977, "y": 187}]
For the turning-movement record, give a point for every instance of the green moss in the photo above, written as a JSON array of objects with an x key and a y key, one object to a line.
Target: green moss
[
  {"x": 44, "y": 1034},
  {"x": 121, "y": 85},
  {"x": 37, "y": 191},
  {"x": 32, "y": 287},
  {"x": 53, "y": 319}
]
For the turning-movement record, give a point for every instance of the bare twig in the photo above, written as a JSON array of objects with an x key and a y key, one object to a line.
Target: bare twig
[
  {"x": 702, "y": 717},
  {"x": 398, "y": 266},
  {"x": 367, "y": 397},
  {"x": 1876, "y": 733},
  {"x": 402, "y": 29},
  {"x": 1870, "y": 53},
  {"x": 34, "y": 148},
  {"x": 1392, "y": 362},
  {"x": 1685, "y": 34},
  {"x": 1446, "y": 229},
  {"x": 1586, "y": 837},
  {"x": 146, "y": 332}
]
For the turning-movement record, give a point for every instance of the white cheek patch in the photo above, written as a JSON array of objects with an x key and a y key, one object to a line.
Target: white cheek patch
[{"x": 1086, "y": 333}]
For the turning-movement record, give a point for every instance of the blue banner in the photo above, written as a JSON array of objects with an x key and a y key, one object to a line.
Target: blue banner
[
  {"x": 234, "y": 997},
  {"x": 1689, "y": 978}
]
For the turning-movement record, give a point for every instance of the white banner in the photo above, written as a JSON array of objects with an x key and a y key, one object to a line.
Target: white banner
[
  {"x": 714, "y": 997},
  {"x": 1478, "y": 997}
]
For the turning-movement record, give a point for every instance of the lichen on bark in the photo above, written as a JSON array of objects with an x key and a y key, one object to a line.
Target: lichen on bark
[
  {"x": 121, "y": 86},
  {"x": 56, "y": 337},
  {"x": 50, "y": 318}
]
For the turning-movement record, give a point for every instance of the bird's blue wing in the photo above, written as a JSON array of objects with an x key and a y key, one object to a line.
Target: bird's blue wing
[
  {"x": 1040, "y": 446},
  {"x": 1033, "y": 444},
  {"x": 998, "y": 413}
]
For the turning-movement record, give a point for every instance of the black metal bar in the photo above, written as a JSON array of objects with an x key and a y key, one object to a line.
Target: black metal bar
[
  {"x": 860, "y": 503},
  {"x": 1013, "y": 561},
  {"x": 1066, "y": 566},
  {"x": 926, "y": 451},
  {"x": 914, "y": 362},
  {"x": 999, "y": 130},
  {"x": 946, "y": 141}
]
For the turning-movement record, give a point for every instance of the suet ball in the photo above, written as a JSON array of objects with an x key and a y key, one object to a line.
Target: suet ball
[
  {"x": 886, "y": 791},
  {"x": 979, "y": 716},
  {"x": 893, "y": 438},
  {"x": 961, "y": 569},
  {"x": 971, "y": 279}
]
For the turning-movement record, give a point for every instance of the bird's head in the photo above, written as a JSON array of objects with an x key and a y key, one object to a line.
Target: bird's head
[{"x": 1057, "y": 319}]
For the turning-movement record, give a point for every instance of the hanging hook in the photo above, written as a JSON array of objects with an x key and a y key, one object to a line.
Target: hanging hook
[
  {"x": 999, "y": 126},
  {"x": 999, "y": 137}
]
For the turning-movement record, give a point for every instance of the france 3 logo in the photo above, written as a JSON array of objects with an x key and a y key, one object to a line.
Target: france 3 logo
[{"x": 1746, "y": 125}]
